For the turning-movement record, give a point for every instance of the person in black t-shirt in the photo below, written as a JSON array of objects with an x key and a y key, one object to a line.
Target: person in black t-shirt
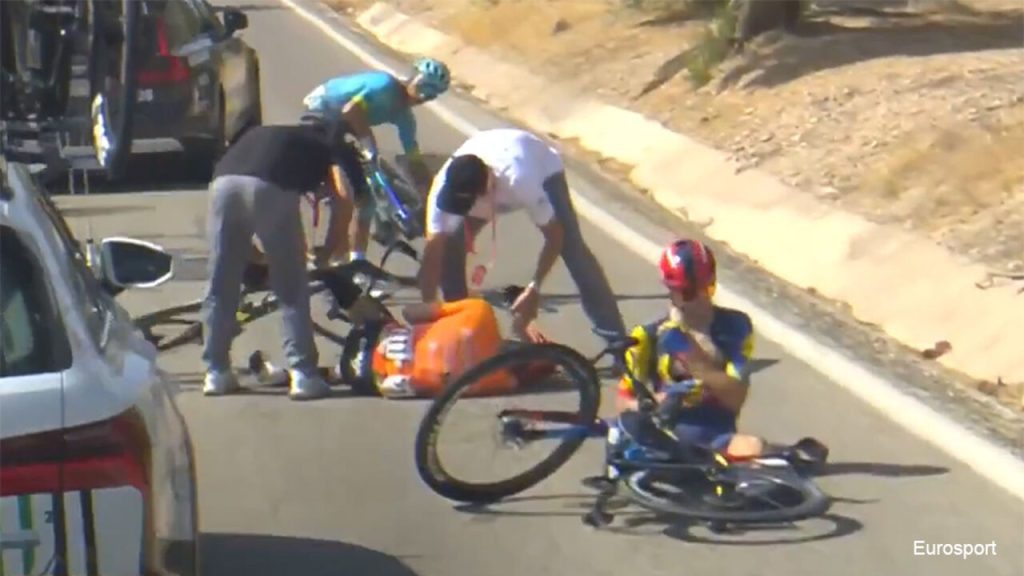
[{"x": 256, "y": 189}]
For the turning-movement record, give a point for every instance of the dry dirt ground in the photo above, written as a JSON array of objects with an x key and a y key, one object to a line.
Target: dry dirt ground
[
  {"x": 908, "y": 115},
  {"x": 903, "y": 116}
]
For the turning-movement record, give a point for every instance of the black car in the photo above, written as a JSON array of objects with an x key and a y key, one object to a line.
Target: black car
[{"x": 199, "y": 88}]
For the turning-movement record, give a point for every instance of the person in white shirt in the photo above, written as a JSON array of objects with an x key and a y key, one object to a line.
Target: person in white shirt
[{"x": 496, "y": 172}]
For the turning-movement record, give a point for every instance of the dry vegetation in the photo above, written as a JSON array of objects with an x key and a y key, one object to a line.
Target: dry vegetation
[{"x": 911, "y": 114}]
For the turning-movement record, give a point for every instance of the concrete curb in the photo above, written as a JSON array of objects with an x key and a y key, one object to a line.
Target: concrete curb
[{"x": 913, "y": 289}]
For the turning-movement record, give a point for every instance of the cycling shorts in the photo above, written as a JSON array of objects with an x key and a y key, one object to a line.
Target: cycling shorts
[{"x": 714, "y": 436}]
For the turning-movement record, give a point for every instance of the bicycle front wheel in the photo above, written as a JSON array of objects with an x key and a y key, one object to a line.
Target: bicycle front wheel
[
  {"x": 113, "y": 79},
  {"x": 514, "y": 427}
]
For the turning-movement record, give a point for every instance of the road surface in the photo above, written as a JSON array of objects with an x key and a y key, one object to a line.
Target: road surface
[{"x": 328, "y": 487}]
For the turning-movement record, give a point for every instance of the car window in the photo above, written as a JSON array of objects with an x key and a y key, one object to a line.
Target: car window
[
  {"x": 182, "y": 21},
  {"x": 209, "y": 22},
  {"x": 83, "y": 282},
  {"x": 32, "y": 341}
]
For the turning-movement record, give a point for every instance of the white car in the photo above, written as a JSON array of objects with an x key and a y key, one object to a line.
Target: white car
[{"x": 97, "y": 475}]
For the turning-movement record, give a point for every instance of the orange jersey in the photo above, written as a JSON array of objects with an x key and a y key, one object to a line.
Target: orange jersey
[{"x": 420, "y": 360}]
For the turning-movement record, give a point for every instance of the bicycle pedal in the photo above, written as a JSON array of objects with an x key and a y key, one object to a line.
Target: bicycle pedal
[{"x": 598, "y": 483}]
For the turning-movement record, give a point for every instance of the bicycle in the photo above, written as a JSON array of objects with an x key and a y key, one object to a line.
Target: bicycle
[
  {"x": 39, "y": 40},
  {"x": 354, "y": 363},
  {"x": 642, "y": 452},
  {"x": 397, "y": 204}
]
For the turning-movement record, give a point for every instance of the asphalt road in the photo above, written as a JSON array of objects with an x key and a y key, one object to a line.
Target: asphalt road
[{"x": 329, "y": 487}]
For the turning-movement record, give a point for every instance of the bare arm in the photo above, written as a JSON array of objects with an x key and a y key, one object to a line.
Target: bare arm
[
  {"x": 554, "y": 236},
  {"x": 729, "y": 391},
  {"x": 430, "y": 268},
  {"x": 421, "y": 313}
]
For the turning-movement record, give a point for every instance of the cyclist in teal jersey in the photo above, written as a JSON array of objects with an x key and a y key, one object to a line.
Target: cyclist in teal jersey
[{"x": 362, "y": 101}]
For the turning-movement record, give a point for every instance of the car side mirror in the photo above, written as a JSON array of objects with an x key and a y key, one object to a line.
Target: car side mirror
[
  {"x": 234, "y": 20},
  {"x": 130, "y": 263}
]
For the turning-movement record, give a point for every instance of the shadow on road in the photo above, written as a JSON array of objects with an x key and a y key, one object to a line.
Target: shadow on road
[
  {"x": 842, "y": 526},
  {"x": 881, "y": 469},
  {"x": 550, "y": 303},
  {"x": 638, "y": 522},
  {"x": 258, "y": 555},
  {"x": 144, "y": 174}
]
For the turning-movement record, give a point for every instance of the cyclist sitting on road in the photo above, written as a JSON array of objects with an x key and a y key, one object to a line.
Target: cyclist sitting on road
[
  {"x": 256, "y": 188},
  {"x": 367, "y": 99},
  {"x": 699, "y": 341},
  {"x": 496, "y": 172}
]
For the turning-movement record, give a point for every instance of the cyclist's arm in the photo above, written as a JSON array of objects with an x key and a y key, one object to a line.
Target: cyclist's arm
[
  {"x": 637, "y": 360},
  {"x": 729, "y": 386},
  {"x": 336, "y": 239},
  {"x": 357, "y": 115},
  {"x": 407, "y": 129}
]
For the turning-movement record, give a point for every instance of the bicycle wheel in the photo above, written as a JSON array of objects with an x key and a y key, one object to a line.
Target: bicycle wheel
[
  {"x": 737, "y": 495},
  {"x": 171, "y": 316},
  {"x": 113, "y": 77},
  {"x": 516, "y": 425},
  {"x": 193, "y": 333}
]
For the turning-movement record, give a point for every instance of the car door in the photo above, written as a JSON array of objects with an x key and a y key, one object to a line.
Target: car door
[
  {"x": 34, "y": 354},
  {"x": 130, "y": 371},
  {"x": 229, "y": 55}
]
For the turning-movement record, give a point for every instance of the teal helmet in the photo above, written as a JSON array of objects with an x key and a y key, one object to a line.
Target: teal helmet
[{"x": 434, "y": 78}]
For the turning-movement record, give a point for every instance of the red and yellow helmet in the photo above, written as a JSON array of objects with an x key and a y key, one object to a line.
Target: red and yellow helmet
[{"x": 688, "y": 266}]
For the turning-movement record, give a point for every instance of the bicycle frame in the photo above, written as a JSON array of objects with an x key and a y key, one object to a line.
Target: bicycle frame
[
  {"x": 250, "y": 311},
  {"x": 389, "y": 206},
  {"x": 675, "y": 457}
]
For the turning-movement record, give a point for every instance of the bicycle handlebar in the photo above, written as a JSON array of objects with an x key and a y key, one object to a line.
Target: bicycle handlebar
[{"x": 664, "y": 411}]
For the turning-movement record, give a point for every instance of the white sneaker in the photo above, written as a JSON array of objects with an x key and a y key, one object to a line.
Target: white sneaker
[
  {"x": 305, "y": 387},
  {"x": 220, "y": 383}
]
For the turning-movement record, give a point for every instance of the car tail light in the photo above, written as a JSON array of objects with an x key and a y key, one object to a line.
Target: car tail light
[
  {"x": 164, "y": 67},
  {"x": 106, "y": 454},
  {"x": 113, "y": 453}
]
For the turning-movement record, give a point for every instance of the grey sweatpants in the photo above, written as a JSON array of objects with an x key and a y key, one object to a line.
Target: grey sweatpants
[
  {"x": 241, "y": 206},
  {"x": 596, "y": 294}
]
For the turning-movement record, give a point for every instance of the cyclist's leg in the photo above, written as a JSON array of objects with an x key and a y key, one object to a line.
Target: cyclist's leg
[
  {"x": 229, "y": 233},
  {"x": 278, "y": 225},
  {"x": 717, "y": 436},
  {"x": 360, "y": 241},
  {"x": 453, "y": 265},
  {"x": 744, "y": 446},
  {"x": 357, "y": 196},
  {"x": 595, "y": 292}
]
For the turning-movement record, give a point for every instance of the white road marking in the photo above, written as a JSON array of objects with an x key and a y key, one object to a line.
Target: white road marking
[{"x": 997, "y": 465}]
